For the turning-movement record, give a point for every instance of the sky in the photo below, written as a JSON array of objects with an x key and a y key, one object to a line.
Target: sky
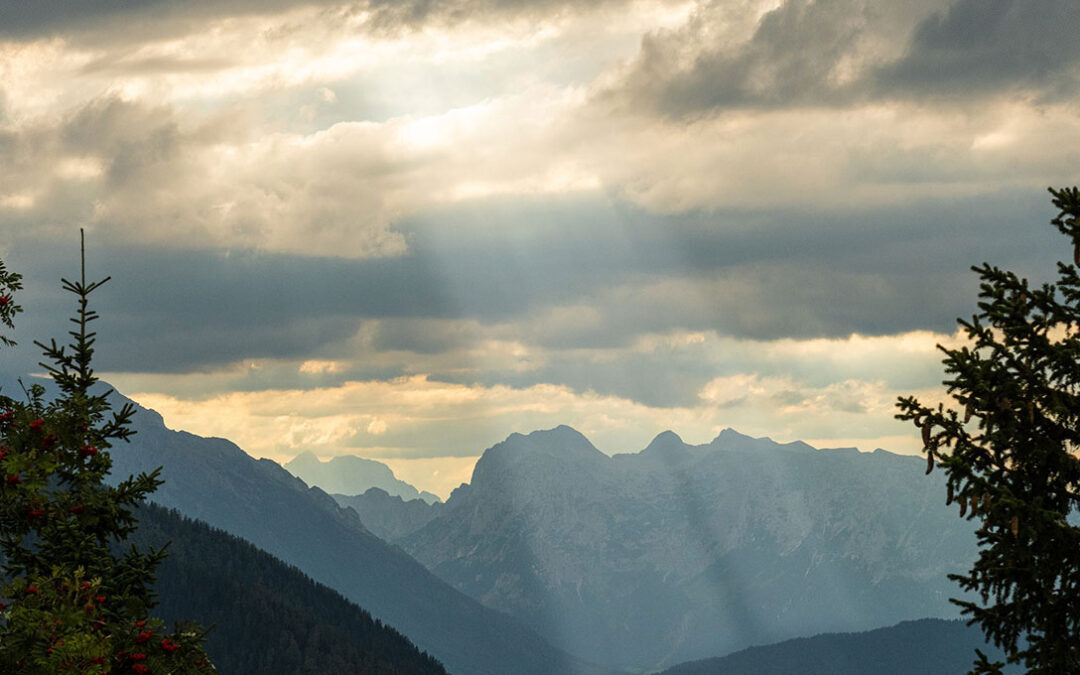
[{"x": 404, "y": 230}]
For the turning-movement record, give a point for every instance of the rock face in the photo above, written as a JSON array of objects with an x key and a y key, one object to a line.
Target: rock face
[
  {"x": 213, "y": 480},
  {"x": 682, "y": 552},
  {"x": 350, "y": 475}
]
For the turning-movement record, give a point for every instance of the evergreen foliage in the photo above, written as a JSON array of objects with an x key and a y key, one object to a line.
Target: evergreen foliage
[
  {"x": 268, "y": 618},
  {"x": 9, "y": 284},
  {"x": 69, "y": 603},
  {"x": 1011, "y": 458}
]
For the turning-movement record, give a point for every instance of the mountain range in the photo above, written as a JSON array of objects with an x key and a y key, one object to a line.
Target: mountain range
[
  {"x": 213, "y": 480},
  {"x": 635, "y": 561},
  {"x": 681, "y": 552}
]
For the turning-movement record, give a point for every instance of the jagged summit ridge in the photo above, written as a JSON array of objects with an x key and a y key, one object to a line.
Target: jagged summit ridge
[
  {"x": 730, "y": 439},
  {"x": 670, "y": 447},
  {"x": 558, "y": 449}
]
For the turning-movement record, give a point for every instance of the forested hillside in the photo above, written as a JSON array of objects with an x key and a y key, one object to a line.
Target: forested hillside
[{"x": 268, "y": 617}]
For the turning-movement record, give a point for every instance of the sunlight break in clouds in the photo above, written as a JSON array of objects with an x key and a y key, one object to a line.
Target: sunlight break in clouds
[{"x": 433, "y": 224}]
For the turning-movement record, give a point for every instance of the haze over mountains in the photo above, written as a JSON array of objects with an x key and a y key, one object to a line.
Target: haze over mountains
[
  {"x": 351, "y": 475},
  {"x": 634, "y": 561},
  {"x": 389, "y": 516},
  {"x": 680, "y": 552},
  {"x": 215, "y": 481}
]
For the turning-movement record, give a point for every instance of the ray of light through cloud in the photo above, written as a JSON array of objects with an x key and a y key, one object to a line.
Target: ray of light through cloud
[{"x": 406, "y": 230}]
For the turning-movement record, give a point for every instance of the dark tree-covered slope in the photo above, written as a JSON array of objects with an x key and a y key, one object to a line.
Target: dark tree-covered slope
[
  {"x": 925, "y": 647},
  {"x": 269, "y": 618}
]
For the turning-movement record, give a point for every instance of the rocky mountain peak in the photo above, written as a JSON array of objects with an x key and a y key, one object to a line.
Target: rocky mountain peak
[
  {"x": 547, "y": 450},
  {"x": 562, "y": 442},
  {"x": 667, "y": 445},
  {"x": 665, "y": 440},
  {"x": 729, "y": 439}
]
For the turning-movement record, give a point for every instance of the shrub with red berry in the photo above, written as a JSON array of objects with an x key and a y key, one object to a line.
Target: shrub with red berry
[
  {"x": 9, "y": 284},
  {"x": 67, "y": 602}
]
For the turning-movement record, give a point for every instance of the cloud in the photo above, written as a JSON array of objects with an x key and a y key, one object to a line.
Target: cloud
[
  {"x": 981, "y": 47},
  {"x": 144, "y": 176},
  {"x": 503, "y": 215},
  {"x": 670, "y": 370},
  {"x": 112, "y": 22},
  {"x": 151, "y": 175},
  {"x": 414, "y": 417},
  {"x": 201, "y": 157},
  {"x": 541, "y": 291},
  {"x": 761, "y": 55},
  {"x": 48, "y": 18},
  {"x": 689, "y": 365},
  {"x": 842, "y": 53},
  {"x": 409, "y": 419}
]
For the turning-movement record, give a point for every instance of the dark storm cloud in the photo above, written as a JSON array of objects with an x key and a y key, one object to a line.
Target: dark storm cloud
[
  {"x": 788, "y": 60},
  {"x": 766, "y": 276},
  {"x": 829, "y": 53},
  {"x": 122, "y": 20},
  {"x": 126, "y": 22},
  {"x": 978, "y": 46},
  {"x": 426, "y": 336},
  {"x": 174, "y": 311}
]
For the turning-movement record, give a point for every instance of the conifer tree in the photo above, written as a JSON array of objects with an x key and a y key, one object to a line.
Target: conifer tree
[
  {"x": 68, "y": 603},
  {"x": 1010, "y": 454}
]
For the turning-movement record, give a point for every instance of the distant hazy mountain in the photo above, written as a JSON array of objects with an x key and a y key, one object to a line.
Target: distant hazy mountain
[
  {"x": 215, "y": 481},
  {"x": 925, "y": 647},
  {"x": 351, "y": 475},
  {"x": 389, "y": 516},
  {"x": 268, "y": 617},
  {"x": 682, "y": 552}
]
